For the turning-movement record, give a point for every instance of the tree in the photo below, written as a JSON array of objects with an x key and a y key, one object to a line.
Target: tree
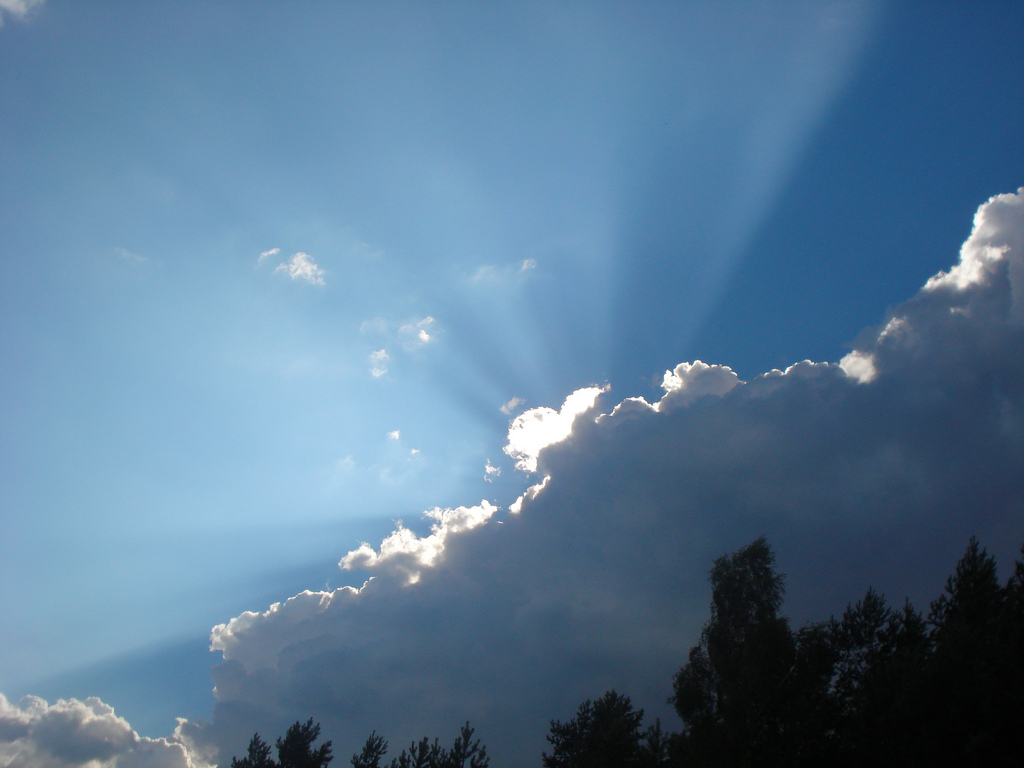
[
  {"x": 730, "y": 693},
  {"x": 257, "y": 756},
  {"x": 604, "y": 733},
  {"x": 294, "y": 750},
  {"x": 464, "y": 753},
  {"x": 373, "y": 752}
]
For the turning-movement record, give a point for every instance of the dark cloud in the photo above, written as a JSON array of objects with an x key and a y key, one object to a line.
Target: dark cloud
[{"x": 873, "y": 472}]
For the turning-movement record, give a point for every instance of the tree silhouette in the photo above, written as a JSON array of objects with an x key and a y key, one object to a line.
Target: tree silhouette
[
  {"x": 604, "y": 733},
  {"x": 294, "y": 750},
  {"x": 373, "y": 752},
  {"x": 464, "y": 753},
  {"x": 257, "y": 756},
  {"x": 729, "y": 695}
]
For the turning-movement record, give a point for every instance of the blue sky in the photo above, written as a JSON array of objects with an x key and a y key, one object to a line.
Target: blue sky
[{"x": 274, "y": 277}]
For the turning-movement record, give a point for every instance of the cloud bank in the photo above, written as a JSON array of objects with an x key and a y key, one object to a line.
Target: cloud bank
[
  {"x": 871, "y": 471},
  {"x": 72, "y": 733}
]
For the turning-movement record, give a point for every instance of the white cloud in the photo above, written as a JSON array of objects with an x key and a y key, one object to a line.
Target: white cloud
[
  {"x": 538, "y": 428},
  {"x": 379, "y": 363},
  {"x": 998, "y": 231},
  {"x": 692, "y": 380},
  {"x": 512, "y": 405},
  {"x": 18, "y": 9},
  {"x": 598, "y": 577},
  {"x": 302, "y": 267},
  {"x": 406, "y": 554},
  {"x": 488, "y": 273},
  {"x": 491, "y": 471},
  {"x": 394, "y": 435},
  {"x": 268, "y": 255},
  {"x": 71, "y": 733},
  {"x": 416, "y": 334}
]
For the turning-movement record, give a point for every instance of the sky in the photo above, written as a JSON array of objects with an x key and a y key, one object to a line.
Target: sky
[{"x": 398, "y": 364}]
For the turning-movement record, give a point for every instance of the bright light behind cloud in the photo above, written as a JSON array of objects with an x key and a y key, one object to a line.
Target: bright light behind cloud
[
  {"x": 537, "y": 428},
  {"x": 588, "y": 584}
]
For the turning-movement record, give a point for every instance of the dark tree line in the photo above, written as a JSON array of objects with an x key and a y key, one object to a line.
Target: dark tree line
[{"x": 877, "y": 686}]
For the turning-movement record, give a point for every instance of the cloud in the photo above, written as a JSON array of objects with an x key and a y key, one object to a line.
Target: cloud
[
  {"x": 491, "y": 471},
  {"x": 489, "y": 274},
  {"x": 538, "y": 428},
  {"x": 125, "y": 255},
  {"x": 302, "y": 267},
  {"x": 394, "y": 435},
  {"x": 268, "y": 255},
  {"x": 512, "y": 404},
  {"x": 379, "y": 363},
  {"x": 597, "y": 579},
  {"x": 416, "y": 334},
  {"x": 73, "y": 733},
  {"x": 18, "y": 9}
]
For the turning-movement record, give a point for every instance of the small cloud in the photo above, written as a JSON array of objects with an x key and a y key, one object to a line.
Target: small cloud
[
  {"x": 379, "y": 363},
  {"x": 18, "y": 9},
  {"x": 416, "y": 334},
  {"x": 302, "y": 267},
  {"x": 491, "y": 472},
  {"x": 490, "y": 274},
  {"x": 123, "y": 253},
  {"x": 394, "y": 434},
  {"x": 268, "y": 254},
  {"x": 414, "y": 451},
  {"x": 512, "y": 404}
]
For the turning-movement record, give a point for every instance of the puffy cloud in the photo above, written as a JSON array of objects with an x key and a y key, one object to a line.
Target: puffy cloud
[
  {"x": 873, "y": 472},
  {"x": 691, "y": 380},
  {"x": 998, "y": 231},
  {"x": 491, "y": 471},
  {"x": 538, "y": 428},
  {"x": 73, "y": 733},
  {"x": 406, "y": 553},
  {"x": 302, "y": 267}
]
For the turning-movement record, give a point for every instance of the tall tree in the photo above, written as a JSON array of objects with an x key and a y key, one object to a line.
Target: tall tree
[{"x": 729, "y": 694}]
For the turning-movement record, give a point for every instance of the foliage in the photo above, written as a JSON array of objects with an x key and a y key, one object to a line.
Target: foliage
[
  {"x": 877, "y": 686},
  {"x": 294, "y": 750}
]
